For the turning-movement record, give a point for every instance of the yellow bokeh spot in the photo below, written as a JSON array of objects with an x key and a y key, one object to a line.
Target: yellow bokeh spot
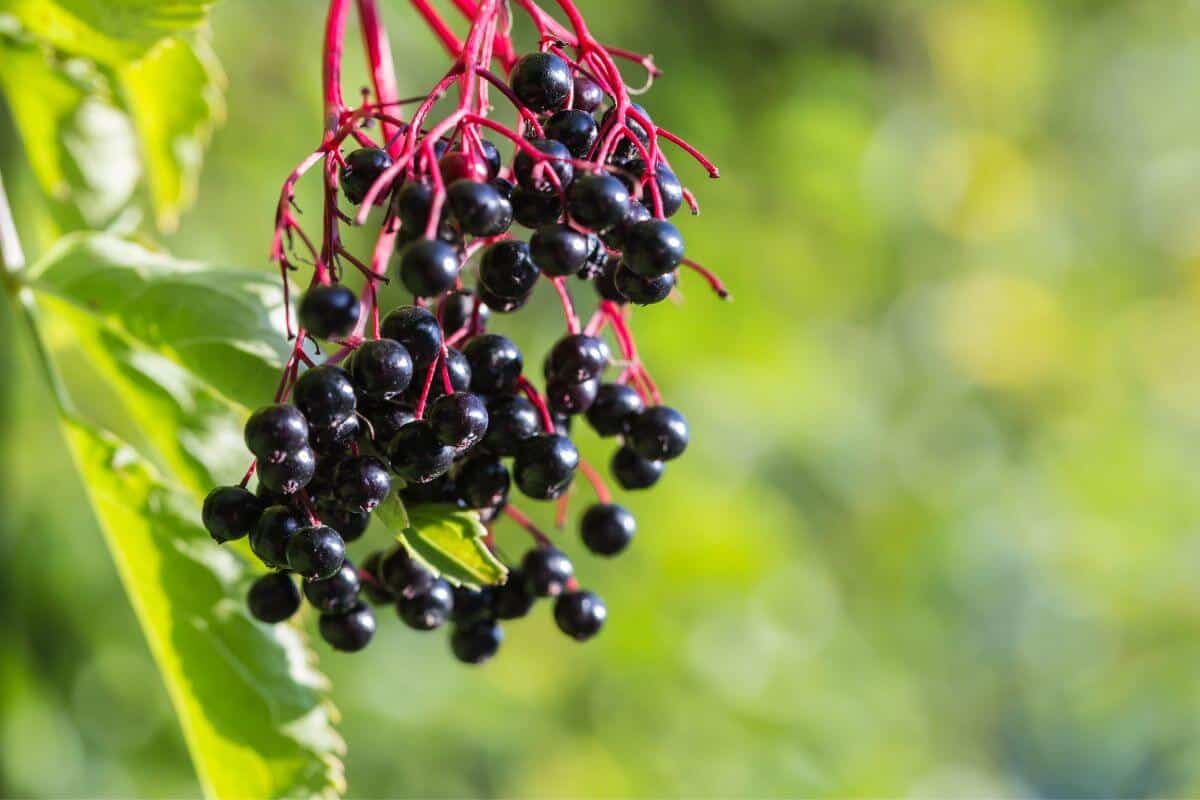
[{"x": 977, "y": 187}]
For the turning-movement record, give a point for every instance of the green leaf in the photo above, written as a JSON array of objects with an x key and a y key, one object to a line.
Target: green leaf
[
  {"x": 174, "y": 94},
  {"x": 248, "y": 698},
  {"x": 450, "y": 541}
]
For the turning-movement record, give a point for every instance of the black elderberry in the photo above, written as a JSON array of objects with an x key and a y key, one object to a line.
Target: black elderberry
[
  {"x": 545, "y": 465},
  {"x": 607, "y": 528},
  {"x": 606, "y": 285},
  {"x": 577, "y": 358},
  {"x": 350, "y": 631},
  {"x": 507, "y": 269},
  {"x": 495, "y": 362},
  {"x": 316, "y": 552},
  {"x": 532, "y": 174},
  {"x": 291, "y": 473},
  {"x": 337, "y": 593},
  {"x": 428, "y": 608},
  {"x": 659, "y": 433},
  {"x": 652, "y": 248},
  {"x": 546, "y": 571},
  {"x": 575, "y": 129},
  {"x": 483, "y": 482},
  {"x": 418, "y": 455},
  {"x": 479, "y": 208},
  {"x": 350, "y": 523},
  {"x": 598, "y": 201},
  {"x": 614, "y": 236},
  {"x": 325, "y": 395},
  {"x": 273, "y": 430},
  {"x": 476, "y": 643},
  {"x": 270, "y": 537},
  {"x": 472, "y": 605},
  {"x": 428, "y": 267},
  {"x": 457, "y": 308},
  {"x": 640, "y": 290},
  {"x": 634, "y": 472},
  {"x": 417, "y": 329},
  {"x": 273, "y": 598},
  {"x": 512, "y": 599},
  {"x": 597, "y": 258},
  {"x": 580, "y": 615},
  {"x": 511, "y": 420},
  {"x": 542, "y": 81},
  {"x": 329, "y": 311},
  {"x": 558, "y": 250},
  {"x": 504, "y": 186},
  {"x": 362, "y": 483},
  {"x": 568, "y": 399},
  {"x": 588, "y": 95},
  {"x": 382, "y": 367},
  {"x": 459, "y": 420},
  {"x": 491, "y": 157},
  {"x": 441, "y": 489},
  {"x": 363, "y": 168},
  {"x": 371, "y": 582},
  {"x": 534, "y": 209},
  {"x": 460, "y": 379},
  {"x": 402, "y": 575},
  {"x": 670, "y": 190},
  {"x": 461, "y": 166},
  {"x": 626, "y": 150},
  {"x": 413, "y": 204},
  {"x": 230, "y": 512},
  {"x": 385, "y": 418},
  {"x": 501, "y": 305},
  {"x": 615, "y": 407},
  {"x": 335, "y": 439}
]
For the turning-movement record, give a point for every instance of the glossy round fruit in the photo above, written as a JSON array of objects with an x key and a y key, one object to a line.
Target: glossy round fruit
[
  {"x": 459, "y": 420},
  {"x": 670, "y": 190},
  {"x": 534, "y": 209},
  {"x": 270, "y": 537},
  {"x": 576, "y": 130},
  {"x": 507, "y": 269},
  {"x": 460, "y": 166},
  {"x": 418, "y": 455},
  {"x": 607, "y": 528},
  {"x": 402, "y": 575},
  {"x": 511, "y": 420},
  {"x": 588, "y": 95},
  {"x": 558, "y": 250},
  {"x": 325, "y": 395},
  {"x": 316, "y": 552},
  {"x": 541, "y": 81},
  {"x": 483, "y": 482},
  {"x": 350, "y": 523},
  {"x": 546, "y": 571},
  {"x": 382, "y": 367},
  {"x": 545, "y": 465},
  {"x": 577, "y": 357},
  {"x": 385, "y": 419},
  {"x": 336, "y": 439},
  {"x": 417, "y": 329},
  {"x": 532, "y": 174},
  {"x": 625, "y": 150},
  {"x": 634, "y": 472},
  {"x": 350, "y": 631},
  {"x": 512, "y": 599},
  {"x": 291, "y": 473},
  {"x": 472, "y": 605},
  {"x": 659, "y": 433},
  {"x": 476, "y": 643},
  {"x": 479, "y": 208},
  {"x": 614, "y": 236},
  {"x": 337, "y": 593},
  {"x": 273, "y": 598},
  {"x": 428, "y": 608},
  {"x": 413, "y": 204},
  {"x": 653, "y": 248},
  {"x": 230, "y": 512},
  {"x": 495, "y": 362},
  {"x": 580, "y": 615},
  {"x": 640, "y": 290},
  {"x": 363, "y": 168},
  {"x": 615, "y": 407},
  {"x": 569, "y": 399},
  {"x": 456, "y": 309},
  {"x": 598, "y": 201},
  {"x": 362, "y": 483},
  {"x": 501, "y": 305},
  {"x": 428, "y": 267},
  {"x": 329, "y": 312},
  {"x": 274, "y": 430}
]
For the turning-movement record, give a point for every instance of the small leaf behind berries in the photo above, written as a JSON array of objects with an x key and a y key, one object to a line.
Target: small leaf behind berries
[
  {"x": 247, "y": 695},
  {"x": 447, "y": 539}
]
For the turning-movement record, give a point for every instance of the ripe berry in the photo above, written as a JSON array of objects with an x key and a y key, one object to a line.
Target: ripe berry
[
  {"x": 337, "y": 593},
  {"x": 615, "y": 407},
  {"x": 545, "y": 465},
  {"x": 472, "y": 605},
  {"x": 230, "y": 512},
  {"x": 457, "y": 308},
  {"x": 533, "y": 209},
  {"x": 614, "y": 237},
  {"x": 362, "y": 483},
  {"x": 605, "y": 283},
  {"x": 598, "y": 201},
  {"x": 491, "y": 157},
  {"x": 382, "y": 367},
  {"x": 335, "y": 439},
  {"x": 363, "y": 168},
  {"x": 511, "y": 420},
  {"x": 483, "y": 482},
  {"x": 577, "y": 358},
  {"x": 501, "y": 305},
  {"x": 413, "y": 204},
  {"x": 479, "y": 208},
  {"x": 541, "y": 81},
  {"x": 350, "y": 631},
  {"x": 653, "y": 248},
  {"x": 386, "y": 418},
  {"x": 634, "y": 472},
  {"x": 273, "y": 598},
  {"x": 495, "y": 362},
  {"x": 290, "y": 474},
  {"x": 428, "y": 608},
  {"x": 670, "y": 190},
  {"x": 658, "y": 434},
  {"x": 417, "y": 329},
  {"x": 274, "y": 430},
  {"x": 607, "y": 528},
  {"x": 316, "y": 552},
  {"x": 558, "y": 250},
  {"x": 269, "y": 539},
  {"x": 507, "y": 269},
  {"x": 428, "y": 267},
  {"x": 640, "y": 290},
  {"x": 402, "y": 574},
  {"x": 418, "y": 455},
  {"x": 568, "y": 399},
  {"x": 350, "y": 523},
  {"x": 575, "y": 129},
  {"x": 329, "y": 311},
  {"x": 460, "y": 166},
  {"x": 626, "y": 151},
  {"x": 460, "y": 379},
  {"x": 324, "y": 395},
  {"x": 546, "y": 571},
  {"x": 588, "y": 95},
  {"x": 580, "y": 615},
  {"x": 532, "y": 174},
  {"x": 512, "y": 599},
  {"x": 372, "y": 584},
  {"x": 475, "y": 644},
  {"x": 459, "y": 420}
]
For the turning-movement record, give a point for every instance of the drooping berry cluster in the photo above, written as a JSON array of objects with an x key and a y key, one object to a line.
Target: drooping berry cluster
[{"x": 427, "y": 401}]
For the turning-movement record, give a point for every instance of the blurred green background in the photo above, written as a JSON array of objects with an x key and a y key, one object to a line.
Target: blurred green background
[{"x": 937, "y": 534}]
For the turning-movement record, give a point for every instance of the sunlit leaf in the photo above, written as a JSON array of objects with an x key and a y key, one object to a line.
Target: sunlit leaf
[{"x": 447, "y": 539}]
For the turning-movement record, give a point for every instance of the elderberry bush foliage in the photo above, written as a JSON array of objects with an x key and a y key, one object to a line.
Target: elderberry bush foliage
[{"x": 425, "y": 408}]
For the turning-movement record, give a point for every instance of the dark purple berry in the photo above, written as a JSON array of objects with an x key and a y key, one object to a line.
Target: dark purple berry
[
  {"x": 362, "y": 483},
  {"x": 335, "y": 439},
  {"x": 457, "y": 308},
  {"x": 417, "y": 329},
  {"x": 325, "y": 395},
  {"x": 418, "y": 455},
  {"x": 670, "y": 190},
  {"x": 541, "y": 81},
  {"x": 428, "y": 267},
  {"x": 483, "y": 482},
  {"x": 290, "y": 474},
  {"x": 575, "y": 129},
  {"x": 501, "y": 305},
  {"x": 476, "y": 643},
  {"x": 659, "y": 433},
  {"x": 533, "y": 174},
  {"x": 507, "y": 269},
  {"x": 349, "y": 631},
  {"x": 479, "y": 208},
  {"x": 652, "y": 248},
  {"x": 626, "y": 150},
  {"x": 275, "y": 430},
  {"x": 350, "y": 523},
  {"x": 429, "y": 608},
  {"x": 316, "y": 552},
  {"x": 558, "y": 250},
  {"x": 371, "y": 582},
  {"x": 640, "y": 290},
  {"x": 402, "y": 574},
  {"x": 337, "y": 593},
  {"x": 495, "y": 362},
  {"x": 273, "y": 598},
  {"x": 329, "y": 312},
  {"x": 577, "y": 358},
  {"x": 615, "y": 407},
  {"x": 588, "y": 94},
  {"x": 413, "y": 203},
  {"x": 363, "y": 168},
  {"x": 545, "y": 465},
  {"x": 607, "y": 528},
  {"x": 231, "y": 512},
  {"x": 634, "y": 472},
  {"x": 512, "y": 599},
  {"x": 571, "y": 398},
  {"x": 270, "y": 537},
  {"x": 385, "y": 419},
  {"x": 546, "y": 571},
  {"x": 534, "y": 209},
  {"x": 459, "y": 420},
  {"x": 580, "y": 615},
  {"x": 614, "y": 236},
  {"x": 598, "y": 201},
  {"x": 382, "y": 368},
  {"x": 472, "y": 605},
  {"x": 511, "y": 420}
]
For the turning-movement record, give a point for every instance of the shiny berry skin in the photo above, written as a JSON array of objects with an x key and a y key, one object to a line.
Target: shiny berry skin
[
  {"x": 483, "y": 482},
  {"x": 640, "y": 290},
  {"x": 362, "y": 483},
  {"x": 576, "y": 130},
  {"x": 381, "y": 367},
  {"x": 472, "y": 605},
  {"x": 532, "y": 174},
  {"x": 316, "y": 552},
  {"x": 336, "y": 439},
  {"x": 337, "y": 593},
  {"x": 350, "y": 523},
  {"x": 418, "y": 455},
  {"x": 634, "y": 472},
  {"x": 457, "y": 308},
  {"x": 580, "y": 615},
  {"x": 588, "y": 95},
  {"x": 402, "y": 574},
  {"x": 363, "y": 168},
  {"x": 476, "y": 643},
  {"x": 541, "y": 81},
  {"x": 670, "y": 190},
  {"x": 626, "y": 151},
  {"x": 491, "y": 158},
  {"x": 459, "y": 166},
  {"x": 512, "y": 599},
  {"x": 273, "y": 598},
  {"x": 349, "y": 631},
  {"x": 413, "y": 203},
  {"x": 329, "y": 311},
  {"x": 417, "y": 329},
  {"x": 429, "y": 608},
  {"x": 545, "y": 465},
  {"x": 614, "y": 236},
  {"x": 511, "y": 420},
  {"x": 372, "y": 585},
  {"x": 496, "y": 363},
  {"x": 479, "y": 208},
  {"x": 275, "y": 430},
  {"x": 558, "y": 250},
  {"x": 325, "y": 395},
  {"x": 546, "y": 571},
  {"x": 231, "y": 512},
  {"x": 614, "y": 409},
  {"x": 577, "y": 358},
  {"x": 598, "y": 201},
  {"x": 270, "y": 537},
  {"x": 607, "y": 528},
  {"x": 501, "y": 305},
  {"x": 507, "y": 269},
  {"x": 459, "y": 420},
  {"x": 659, "y": 433},
  {"x": 460, "y": 379},
  {"x": 571, "y": 398},
  {"x": 428, "y": 267},
  {"x": 652, "y": 248},
  {"x": 291, "y": 473},
  {"x": 605, "y": 283},
  {"x": 534, "y": 209},
  {"x": 386, "y": 418}
]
